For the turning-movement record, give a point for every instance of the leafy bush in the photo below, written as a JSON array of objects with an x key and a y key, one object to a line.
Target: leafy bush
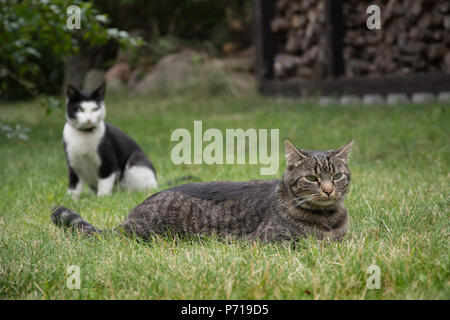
[
  {"x": 35, "y": 40},
  {"x": 213, "y": 22}
]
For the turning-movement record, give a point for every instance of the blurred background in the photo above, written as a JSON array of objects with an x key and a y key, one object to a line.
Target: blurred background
[
  {"x": 135, "y": 45},
  {"x": 414, "y": 38},
  {"x": 145, "y": 46}
]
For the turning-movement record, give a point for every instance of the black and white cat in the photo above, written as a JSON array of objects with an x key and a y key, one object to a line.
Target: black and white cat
[{"x": 99, "y": 153}]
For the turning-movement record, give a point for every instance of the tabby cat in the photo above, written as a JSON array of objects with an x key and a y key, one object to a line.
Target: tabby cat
[{"x": 306, "y": 202}]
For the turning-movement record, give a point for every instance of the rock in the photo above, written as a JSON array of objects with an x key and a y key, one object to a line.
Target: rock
[
  {"x": 422, "y": 97},
  {"x": 94, "y": 78},
  {"x": 116, "y": 85},
  {"x": 373, "y": 99},
  {"x": 193, "y": 71},
  {"x": 444, "y": 96},
  {"x": 326, "y": 101},
  {"x": 350, "y": 100},
  {"x": 240, "y": 83},
  {"x": 120, "y": 72},
  {"x": 396, "y": 98},
  {"x": 171, "y": 71},
  {"x": 136, "y": 76},
  {"x": 238, "y": 64}
]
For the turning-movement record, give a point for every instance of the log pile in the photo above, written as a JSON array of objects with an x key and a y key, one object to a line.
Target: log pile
[
  {"x": 414, "y": 38},
  {"x": 299, "y": 29}
]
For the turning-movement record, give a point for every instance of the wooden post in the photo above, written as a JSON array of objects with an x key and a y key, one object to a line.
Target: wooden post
[
  {"x": 335, "y": 33},
  {"x": 263, "y": 40}
]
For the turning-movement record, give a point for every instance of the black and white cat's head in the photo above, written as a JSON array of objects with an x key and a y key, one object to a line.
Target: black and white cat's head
[{"x": 85, "y": 110}]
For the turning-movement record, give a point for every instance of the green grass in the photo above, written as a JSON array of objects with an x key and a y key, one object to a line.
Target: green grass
[{"x": 398, "y": 206}]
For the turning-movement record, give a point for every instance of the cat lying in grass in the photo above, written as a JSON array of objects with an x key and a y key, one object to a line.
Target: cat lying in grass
[{"x": 306, "y": 202}]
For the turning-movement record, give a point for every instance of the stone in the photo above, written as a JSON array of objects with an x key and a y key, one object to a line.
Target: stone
[
  {"x": 190, "y": 70},
  {"x": 116, "y": 85},
  {"x": 171, "y": 71},
  {"x": 239, "y": 64},
  {"x": 444, "y": 96},
  {"x": 373, "y": 99},
  {"x": 240, "y": 83},
  {"x": 347, "y": 100},
  {"x": 423, "y": 97},
  {"x": 136, "y": 76},
  {"x": 326, "y": 101},
  {"x": 120, "y": 71},
  {"x": 396, "y": 98}
]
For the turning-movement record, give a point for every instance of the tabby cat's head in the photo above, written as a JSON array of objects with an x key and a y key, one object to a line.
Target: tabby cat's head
[
  {"x": 85, "y": 110},
  {"x": 317, "y": 179}
]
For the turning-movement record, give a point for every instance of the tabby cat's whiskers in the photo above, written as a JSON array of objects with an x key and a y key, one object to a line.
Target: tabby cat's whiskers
[{"x": 307, "y": 199}]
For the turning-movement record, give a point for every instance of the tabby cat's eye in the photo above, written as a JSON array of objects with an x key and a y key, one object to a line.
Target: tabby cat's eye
[
  {"x": 337, "y": 176},
  {"x": 311, "y": 178}
]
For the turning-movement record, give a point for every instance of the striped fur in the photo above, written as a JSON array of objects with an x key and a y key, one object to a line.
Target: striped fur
[{"x": 275, "y": 210}]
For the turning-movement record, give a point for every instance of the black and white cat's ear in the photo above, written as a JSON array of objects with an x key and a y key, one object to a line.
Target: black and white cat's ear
[
  {"x": 293, "y": 155},
  {"x": 99, "y": 93},
  {"x": 72, "y": 92},
  {"x": 344, "y": 152}
]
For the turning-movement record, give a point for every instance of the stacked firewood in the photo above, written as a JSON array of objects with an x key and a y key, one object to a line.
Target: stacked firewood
[
  {"x": 299, "y": 30},
  {"x": 414, "y": 38}
]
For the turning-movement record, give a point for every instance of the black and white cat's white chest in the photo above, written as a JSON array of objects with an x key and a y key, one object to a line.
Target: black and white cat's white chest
[{"x": 82, "y": 151}]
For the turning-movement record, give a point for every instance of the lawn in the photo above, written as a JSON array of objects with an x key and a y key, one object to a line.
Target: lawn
[{"x": 398, "y": 205}]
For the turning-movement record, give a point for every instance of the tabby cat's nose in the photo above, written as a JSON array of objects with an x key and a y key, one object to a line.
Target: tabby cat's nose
[{"x": 327, "y": 188}]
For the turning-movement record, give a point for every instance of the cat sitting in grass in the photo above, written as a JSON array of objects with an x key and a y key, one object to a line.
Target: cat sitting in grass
[
  {"x": 306, "y": 202},
  {"x": 99, "y": 153}
]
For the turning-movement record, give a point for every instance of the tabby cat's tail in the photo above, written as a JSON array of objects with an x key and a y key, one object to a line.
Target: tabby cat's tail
[{"x": 65, "y": 218}]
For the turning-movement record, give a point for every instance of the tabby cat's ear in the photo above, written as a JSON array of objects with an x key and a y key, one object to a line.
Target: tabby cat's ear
[
  {"x": 344, "y": 152},
  {"x": 99, "y": 93},
  {"x": 71, "y": 92},
  {"x": 293, "y": 155}
]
